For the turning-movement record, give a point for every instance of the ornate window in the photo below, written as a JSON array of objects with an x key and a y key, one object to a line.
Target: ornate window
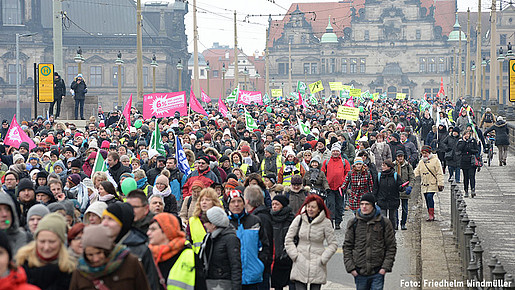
[
  {"x": 146, "y": 83},
  {"x": 95, "y": 76},
  {"x": 362, "y": 65},
  {"x": 422, "y": 65},
  {"x": 367, "y": 35},
  {"x": 11, "y": 12},
  {"x": 432, "y": 65},
  {"x": 283, "y": 68},
  {"x": 353, "y": 65},
  {"x": 333, "y": 66},
  {"x": 314, "y": 68},
  {"x": 344, "y": 65},
  {"x": 71, "y": 73},
  {"x": 441, "y": 64},
  {"x": 418, "y": 34}
]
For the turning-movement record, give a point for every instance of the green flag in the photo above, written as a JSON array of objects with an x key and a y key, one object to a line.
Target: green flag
[
  {"x": 301, "y": 87},
  {"x": 266, "y": 99},
  {"x": 313, "y": 100},
  {"x": 249, "y": 121},
  {"x": 156, "y": 142},
  {"x": 234, "y": 94},
  {"x": 99, "y": 164},
  {"x": 303, "y": 128}
]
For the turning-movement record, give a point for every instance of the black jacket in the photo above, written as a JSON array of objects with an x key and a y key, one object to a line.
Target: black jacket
[
  {"x": 263, "y": 213},
  {"x": 501, "y": 133},
  {"x": 387, "y": 190},
  {"x": 59, "y": 88},
  {"x": 117, "y": 171},
  {"x": 281, "y": 221},
  {"x": 152, "y": 175},
  {"x": 467, "y": 150},
  {"x": 47, "y": 277},
  {"x": 426, "y": 124},
  {"x": 80, "y": 89},
  {"x": 449, "y": 146},
  {"x": 222, "y": 256}
]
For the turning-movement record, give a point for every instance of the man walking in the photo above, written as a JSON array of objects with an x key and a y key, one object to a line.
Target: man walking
[
  {"x": 59, "y": 93},
  {"x": 369, "y": 256}
]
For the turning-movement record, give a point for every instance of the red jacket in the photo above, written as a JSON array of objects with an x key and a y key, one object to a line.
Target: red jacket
[
  {"x": 16, "y": 280},
  {"x": 336, "y": 170}
]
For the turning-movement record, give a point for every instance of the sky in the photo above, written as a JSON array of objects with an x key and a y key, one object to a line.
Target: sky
[{"x": 215, "y": 20}]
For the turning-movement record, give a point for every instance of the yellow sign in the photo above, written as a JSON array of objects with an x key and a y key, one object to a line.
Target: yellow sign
[
  {"x": 45, "y": 82},
  {"x": 400, "y": 96},
  {"x": 511, "y": 79},
  {"x": 355, "y": 92},
  {"x": 277, "y": 93},
  {"x": 347, "y": 113},
  {"x": 346, "y": 88},
  {"x": 316, "y": 87},
  {"x": 375, "y": 96},
  {"x": 335, "y": 86}
]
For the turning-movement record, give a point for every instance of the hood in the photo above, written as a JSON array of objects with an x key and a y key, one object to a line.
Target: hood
[
  {"x": 6, "y": 199},
  {"x": 500, "y": 123},
  {"x": 377, "y": 213},
  {"x": 92, "y": 155}
]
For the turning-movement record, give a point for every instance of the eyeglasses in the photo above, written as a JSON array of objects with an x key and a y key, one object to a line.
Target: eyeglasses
[{"x": 201, "y": 163}]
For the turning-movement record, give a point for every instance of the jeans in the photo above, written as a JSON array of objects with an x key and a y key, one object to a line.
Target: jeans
[
  {"x": 469, "y": 176},
  {"x": 391, "y": 214},
  {"x": 57, "y": 101},
  {"x": 430, "y": 203},
  {"x": 454, "y": 171},
  {"x": 334, "y": 202},
  {"x": 265, "y": 285},
  {"x": 77, "y": 104},
  {"x": 404, "y": 207},
  {"x": 302, "y": 286},
  {"x": 503, "y": 153},
  {"x": 372, "y": 282}
]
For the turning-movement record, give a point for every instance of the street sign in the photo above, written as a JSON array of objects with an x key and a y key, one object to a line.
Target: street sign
[
  {"x": 45, "y": 82},
  {"x": 511, "y": 79}
]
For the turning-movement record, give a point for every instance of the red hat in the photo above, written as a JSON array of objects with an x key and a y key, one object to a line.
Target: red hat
[
  {"x": 101, "y": 125},
  {"x": 105, "y": 144},
  {"x": 245, "y": 148},
  {"x": 50, "y": 140},
  {"x": 78, "y": 135}
]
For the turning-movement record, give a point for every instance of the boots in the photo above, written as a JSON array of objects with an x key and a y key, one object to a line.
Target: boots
[
  {"x": 431, "y": 212},
  {"x": 466, "y": 194},
  {"x": 473, "y": 192}
]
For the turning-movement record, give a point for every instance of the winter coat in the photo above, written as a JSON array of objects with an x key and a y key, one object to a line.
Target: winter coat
[
  {"x": 467, "y": 150},
  {"x": 357, "y": 184},
  {"x": 381, "y": 152},
  {"x": 16, "y": 280},
  {"x": 425, "y": 126},
  {"x": 442, "y": 135},
  {"x": 222, "y": 257},
  {"x": 315, "y": 178},
  {"x": 387, "y": 190},
  {"x": 412, "y": 153},
  {"x": 336, "y": 170},
  {"x": 129, "y": 275},
  {"x": 323, "y": 156},
  {"x": 47, "y": 277},
  {"x": 404, "y": 173},
  {"x": 15, "y": 233},
  {"x": 310, "y": 256},
  {"x": 296, "y": 198},
  {"x": 488, "y": 119},
  {"x": 208, "y": 177},
  {"x": 59, "y": 88},
  {"x": 462, "y": 122},
  {"x": 80, "y": 89},
  {"x": 449, "y": 146},
  {"x": 430, "y": 170},
  {"x": 502, "y": 134},
  {"x": 276, "y": 189},
  {"x": 281, "y": 268},
  {"x": 263, "y": 213},
  {"x": 117, "y": 170},
  {"x": 394, "y": 147},
  {"x": 188, "y": 207},
  {"x": 369, "y": 246}
]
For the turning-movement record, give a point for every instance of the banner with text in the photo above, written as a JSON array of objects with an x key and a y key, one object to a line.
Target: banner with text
[
  {"x": 316, "y": 87},
  {"x": 347, "y": 113},
  {"x": 164, "y": 104},
  {"x": 248, "y": 97}
]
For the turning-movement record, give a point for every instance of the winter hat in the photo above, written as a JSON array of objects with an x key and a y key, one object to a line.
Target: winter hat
[
  {"x": 4, "y": 243},
  {"x": 121, "y": 213},
  {"x": 75, "y": 231},
  {"x": 245, "y": 148},
  {"x": 55, "y": 223},
  {"x": 426, "y": 148},
  {"x": 217, "y": 216},
  {"x": 231, "y": 184},
  {"x": 336, "y": 147},
  {"x": 37, "y": 209},
  {"x": 69, "y": 206},
  {"x": 42, "y": 174},
  {"x": 76, "y": 163},
  {"x": 105, "y": 144},
  {"x": 24, "y": 145},
  {"x": 296, "y": 179},
  {"x": 233, "y": 194},
  {"x": 25, "y": 183},
  {"x": 270, "y": 149},
  {"x": 203, "y": 158},
  {"x": 198, "y": 183},
  {"x": 315, "y": 158},
  {"x": 399, "y": 152},
  {"x": 55, "y": 206},
  {"x": 456, "y": 129},
  {"x": 321, "y": 140},
  {"x": 74, "y": 179},
  {"x": 152, "y": 153},
  {"x": 170, "y": 225},
  {"x": 223, "y": 159},
  {"x": 45, "y": 190},
  {"x": 396, "y": 136},
  {"x": 17, "y": 157},
  {"x": 97, "y": 236},
  {"x": 96, "y": 208},
  {"x": 358, "y": 160},
  {"x": 282, "y": 199},
  {"x": 60, "y": 164},
  {"x": 163, "y": 179},
  {"x": 370, "y": 198},
  {"x": 500, "y": 118},
  {"x": 272, "y": 177}
]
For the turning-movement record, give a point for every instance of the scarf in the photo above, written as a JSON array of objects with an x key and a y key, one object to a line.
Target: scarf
[
  {"x": 141, "y": 183},
  {"x": 367, "y": 217},
  {"x": 106, "y": 197},
  {"x": 47, "y": 260},
  {"x": 114, "y": 261},
  {"x": 164, "y": 193},
  {"x": 163, "y": 253}
]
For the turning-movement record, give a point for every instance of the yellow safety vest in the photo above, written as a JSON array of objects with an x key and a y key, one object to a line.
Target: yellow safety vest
[
  {"x": 449, "y": 115},
  {"x": 197, "y": 233},
  {"x": 182, "y": 274},
  {"x": 287, "y": 178},
  {"x": 278, "y": 164},
  {"x": 244, "y": 167}
]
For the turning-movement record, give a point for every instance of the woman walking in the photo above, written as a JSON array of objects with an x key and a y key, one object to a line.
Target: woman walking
[
  {"x": 430, "y": 170},
  {"x": 468, "y": 148}
]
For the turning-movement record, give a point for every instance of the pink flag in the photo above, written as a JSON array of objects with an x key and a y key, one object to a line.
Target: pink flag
[
  {"x": 195, "y": 105},
  {"x": 164, "y": 105},
  {"x": 302, "y": 102},
  {"x": 222, "y": 108},
  {"x": 349, "y": 103},
  {"x": 204, "y": 97},
  {"x": 15, "y": 136},
  {"x": 248, "y": 97},
  {"x": 127, "y": 111}
]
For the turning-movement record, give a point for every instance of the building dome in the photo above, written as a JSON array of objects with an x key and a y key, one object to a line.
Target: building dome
[
  {"x": 329, "y": 36},
  {"x": 454, "y": 36}
]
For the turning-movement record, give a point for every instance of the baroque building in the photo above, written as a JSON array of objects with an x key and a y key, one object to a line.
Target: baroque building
[{"x": 101, "y": 29}]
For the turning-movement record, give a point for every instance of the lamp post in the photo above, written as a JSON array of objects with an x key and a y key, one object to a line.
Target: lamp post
[
  {"x": 473, "y": 69},
  {"x": 207, "y": 74},
  {"x": 79, "y": 60},
  {"x": 154, "y": 65},
  {"x": 500, "y": 59},
  {"x": 223, "y": 78},
  {"x": 119, "y": 63},
  {"x": 18, "y": 71},
  {"x": 483, "y": 87},
  {"x": 245, "y": 74},
  {"x": 179, "y": 69},
  {"x": 257, "y": 77}
]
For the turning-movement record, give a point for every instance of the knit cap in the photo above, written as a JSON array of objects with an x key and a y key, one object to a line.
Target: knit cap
[
  {"x": 55, "y": 223},
  {"x": 218, "y": 217},
  {"x": 282, "y": 199},
  {"x": 296, "y": 179},
  {"x": 272, "y": 178},
  {"x": 396, "y": 136},
  {"x": 426, "y": 148},
  {"x": 45, "y": 190},
  {"x": 76, "y": 163},
  {"x": 231, "y": 184},
  {"x": 336, "y": 147},
  {"x": 170, "y": 225},
  {"x": 270, "y": 149},
  {"x": 55, "y": 206},
  {"x": 96, "y": 208},
  {"x": 233, "y": 194},
  {"x": 17, "y": 157},
  {"x": 97, "y": 236},
  {"x": 123, "y": 214},
  {"x": 38, "y": 210},
  {"x": 105, "y": 144},
  {"x": 358, "y": 160},
  {"x": 74, "y": 179},
  {"x": 198, "y": 183},
  {"x": 369, "y": 198},
  {"x": 25, "y": 183},
  {"x": 75, "y": 231}
]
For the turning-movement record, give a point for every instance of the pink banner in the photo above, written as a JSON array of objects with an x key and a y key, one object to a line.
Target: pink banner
[
  {"x": 204, "y": 97},
  {"x": 247, "y": 97},
  {"x": 15, "y": 136},
  {"x": 127, "y": 111},
  {"x": 222, "y": 108},
  {"x": 195, "y": 105},
  {"x": 164, "y": 104},
  {"x": 349, "y": 103},
  {"x": 301, "y": 101}
]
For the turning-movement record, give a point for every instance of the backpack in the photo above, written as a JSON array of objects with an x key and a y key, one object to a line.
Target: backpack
[
  {"x": 324, "y": 164},
  {"x": 379, "y": 176}
]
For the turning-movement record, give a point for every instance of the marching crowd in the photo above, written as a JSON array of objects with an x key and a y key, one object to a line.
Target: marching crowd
[{"x": 234, "y": 208}]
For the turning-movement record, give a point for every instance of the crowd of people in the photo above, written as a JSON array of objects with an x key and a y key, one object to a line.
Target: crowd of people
[{"x": 246, "y": 209}]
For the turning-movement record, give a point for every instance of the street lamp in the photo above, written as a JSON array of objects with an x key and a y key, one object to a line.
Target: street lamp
[
  {"x": 245, "y": 74},
  {"x": 473, "y": 69},
  {"x": 483, "y": 87},
  {"x": 509, "y": 53},
  {"x": 79, "y": 60},
  {"x": 223, "y": 78},
  {"x": 154, "y": 65},
  {"x": 500, "y": 59},
  {"x": 257, "y": 77},
  {"x": 179, "y": 69},
  {"x": 207, "y": 73},
  {"x": 18, "y": 35},
  {"x": 119, "y": 62}
]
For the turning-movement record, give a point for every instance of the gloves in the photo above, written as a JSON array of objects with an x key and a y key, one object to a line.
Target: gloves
[
  {"x": 408, "y": 190},
  {"x": 440, "y": 187}
]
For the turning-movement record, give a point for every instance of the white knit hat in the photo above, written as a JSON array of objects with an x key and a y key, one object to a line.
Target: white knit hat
[{"x": 218, "y": 217}]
